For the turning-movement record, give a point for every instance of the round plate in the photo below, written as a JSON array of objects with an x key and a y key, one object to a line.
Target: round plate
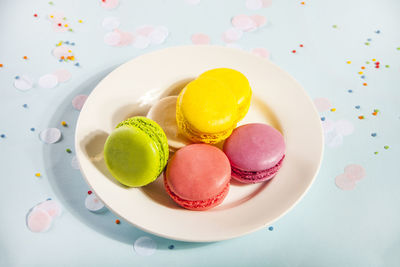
[{"x": 277, "y": 100}]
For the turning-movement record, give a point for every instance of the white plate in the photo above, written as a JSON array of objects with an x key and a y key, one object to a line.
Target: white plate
[{"x": 277, "y": 100}]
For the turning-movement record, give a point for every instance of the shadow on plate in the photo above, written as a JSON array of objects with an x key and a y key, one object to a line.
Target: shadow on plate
[{"x": 70, "y": 187}]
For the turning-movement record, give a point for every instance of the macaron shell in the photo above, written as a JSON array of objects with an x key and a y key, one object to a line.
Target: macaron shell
[
  {"x": 236, "y": 82},
  {"x": 132, "y": 156},
  {"x": 250, "y": 177},
  {"x": 208, "y": 106},
  {"x": 164, "y": 113},
  {"x": 255, "y": 147},
  {"x": 198, "y": 172}
]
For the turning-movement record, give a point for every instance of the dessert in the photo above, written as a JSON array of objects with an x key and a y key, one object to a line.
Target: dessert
[
  {"x": 136, "y": 152},
  {"x": 197, "y": 177},
  {"x": 255, "y": 151},
  {"x": 206, "y": 111}
]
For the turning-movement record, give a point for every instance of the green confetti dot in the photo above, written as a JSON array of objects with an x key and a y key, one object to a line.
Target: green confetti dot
[
  {"x": 366, "y": 43},
  {"x": 70, "y": 30},
  {"x": 64, "y": 18},
  {"x": 68, "y": 150},
  {"x": 376, "y": 152},
  {"x": 398, "y": 48},
  {"x": 334, "y": 26},
  {"x": 387, "y": 66},
  {"x": 376, "y": 110},
  {"x": 367, "y": 62},
  {"x": 51, "y": 3},
  {"x": 386, "y": 147}
]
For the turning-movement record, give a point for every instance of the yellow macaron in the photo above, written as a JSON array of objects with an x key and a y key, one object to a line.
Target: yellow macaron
[
  {"x": 236, "y": 82},
  {"x": 206, "y": 111}
]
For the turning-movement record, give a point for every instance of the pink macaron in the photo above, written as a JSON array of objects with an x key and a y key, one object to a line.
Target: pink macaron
[
  {"x": 255, "y": 151},
  {"x": 197, "y": 177}
]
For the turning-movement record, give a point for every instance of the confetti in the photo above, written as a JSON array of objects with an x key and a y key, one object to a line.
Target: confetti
[
  {"x": 3, "y": 136},
  {"x": 23, "y": 83},
  {"x": 200, "y": 39},
  {"x": 80, "y": 21},
  {"x": 266, "y": 3},
  {"x": 92, "y": 203},
  {"x": 350, "y": 91},
  {"x": 322, "y": 104},
  {"x": 366, "y": 43},
  {"x": 79, "y": 101},
  {"x": 35, "y": 15},
  {"x": 32, "y": 129},
  {"x": 126, "y": 38},
  {"x": 89, "y": 192},
  {"x": 62, "y": 75},
  {"x": 75, "y": 163},
  {"x": 254, "y": 4},
  {"x": 262, "y": 52},
  {"x": 363, "y": 68},
  {"x": 348, "y": 62},
  {"x": 1, "y": 65},
  {"x": 110, "y": 23},
  {"x": 68, "y": 150},
  {"x": 117, "y": 221},
  {"x": 232, "y": 35},
  {"x": 63, "y": 123},
  {"x": 25, "y": 105},
  {"x": 373, "y": 134},
  {"x": 259, "y": 20},
  {"x": 302, "y": 3},
  {"x": 293, "y": 51},
  {"x": 40, "y": 217},
  {"x": 109, "y": 4},
  {"x": 362, "y": 77},
  {"x": 38, "y": 174},
  {"x": 322, "y": 118},
  {"x": 48, "y": 81},
  {"x": 271, "y": 228},
  {"x": 386, "y": 147},
  {"x": 333, "y": 109},
  {"x": 361, "y": 117},
  {"x": 365, "y": 84},
  {"x": 334, "y": 26},
  {"x": 141, "y": 42},
  {"x": 144, "y": 30},
  {"x": 352, "y": 174},
  {"x": 171, "y": 247},
  {"x": 376, "y": 152},
  {"x": 387, "y": 66},
  {"x": 50, "y": 135},
  {"x": 25, "y": 57},
  {"x": 243, "y": 23},
  {"x": 301, "y": 45},
  {"x": 51, "y": 207},
  {"x": 335, "y": 131},
  {"x": 112, "y": 38},
  {"x": 360, "y": 72},
  {"x": 158, "y": 35},
  {"x": 145, "y": 246}
]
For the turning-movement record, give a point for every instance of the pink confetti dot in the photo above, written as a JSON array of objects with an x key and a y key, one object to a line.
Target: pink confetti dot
[
  {"x": 262, "y": 52},
  {"x": 112, "y": 38},
  {"x": 59, "y": 26},
  {"x": 51, "y": 207},
  {"x": 79, "y": 101},
  {"x": 344, "y": 183},
  {"x": 144, "y": 30},
  {"x": 243, "y": 22},
  {"x": 62, "y": 75},
  {"x": 266, "y": 3},
  {"x": 259, "y": 20},
  {"x": 232, "y": 35},
  {"x": 109, "y": 4},
  {"x": 200, "y": 39},
  {"x": 322, "y": 104},
  {"x": 354, "y": 172},
  {"x": 126, "y": 38},
  {"x": 39, "y": 221}
]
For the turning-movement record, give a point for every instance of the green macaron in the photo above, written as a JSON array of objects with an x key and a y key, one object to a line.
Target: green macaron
[{"x": 136, "y": 152}]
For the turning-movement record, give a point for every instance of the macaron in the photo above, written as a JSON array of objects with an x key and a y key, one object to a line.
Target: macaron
[
  {"x": 236, "y": 82},
  {"x": 136, "y": 152},
  {"x": 255, "y": 151},
  {"x": 206, "y": 111},
  {"x": 197, "y": 177},
  {"x": 164, "y": 113}
]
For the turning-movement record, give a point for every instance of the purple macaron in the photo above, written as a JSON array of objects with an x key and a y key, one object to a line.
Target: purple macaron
[{"x": 255, "y": 151}]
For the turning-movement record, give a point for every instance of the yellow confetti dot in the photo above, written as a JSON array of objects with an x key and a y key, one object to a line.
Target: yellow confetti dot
[
  {"x": 38, "y": 174},
  {"x": 373, "y": 59},
  {"x": 69, "y": 51},
  {"x": 333, "y": 109},
  {"x": 51, "y": 16},
  {"x": 66, "y": 25},
  {"x": 72, "y": 58},
  {"x": 348, "y": 62},
  {"x": 80, "y": 21},
  {"x": 63, "y": 123},
  {"x": 360, "y": 72}
]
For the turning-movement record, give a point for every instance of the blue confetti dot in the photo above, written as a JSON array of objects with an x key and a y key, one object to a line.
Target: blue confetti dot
[
  {"x": 72, "y": 43},
  {"x": 373, "y": 134},
  {"x": 17, "y": 77},
  {"x": 32, "y": 129},
  {"x": 49, "y": 198},
  {"x": 77, "y": 64},
  {"x": 25, "y": 105},
  {"x": 378, "y": 31},
  {"x": 271, "y": 228},
  {"x": 350, "y": 91},
  {"x": 3, "y": 136},
  {"x": 369, "y": 39},
  {"x": 171, "y": 247},
  {"x": 362, "y": 76},
  {"x": 357, "y": 107},
  {"x": 67, "y": 42},
  {"x": 60, "y": 60},
  {"x": 322, "y": 118}
]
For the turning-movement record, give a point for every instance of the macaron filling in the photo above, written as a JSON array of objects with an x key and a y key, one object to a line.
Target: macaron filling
[
  {"x": 256, "y": 176},
  {"x": 154, "y": 133},
  {"x": 197, "y": 204}
]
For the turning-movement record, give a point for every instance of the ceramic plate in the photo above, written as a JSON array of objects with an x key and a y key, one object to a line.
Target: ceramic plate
[{"x": 277, "y": 100}]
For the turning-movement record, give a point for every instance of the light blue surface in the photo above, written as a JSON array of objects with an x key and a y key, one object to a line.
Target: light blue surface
[{"x": 329, "y": 227}]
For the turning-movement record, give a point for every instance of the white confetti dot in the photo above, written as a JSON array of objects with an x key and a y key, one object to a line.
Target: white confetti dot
[
  {"x": 232, "y": 35},
  {"x": 75, "y": 163},
  {"x": 145, "y": 246},
  {"x": 144, "y": 30},
  {"x": 333, "y": 138},
  {"x": 50, "y": 135},
  {"x": 254, "y": 4},
  {"x": 112, "y": 38},
  {"x": 141, "y": 42},
  {"x": 23, "y": 83},
  {"x": 79, "y": 101},
  {"x": 63, "y": 75},
  {"x": 344, "y": 127},
  {"x": 110, "y": 23},
  {"x": 158, "y": 35},
  {"x": 48, "y": 81},
  {"x": 92, "y": 203}
]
